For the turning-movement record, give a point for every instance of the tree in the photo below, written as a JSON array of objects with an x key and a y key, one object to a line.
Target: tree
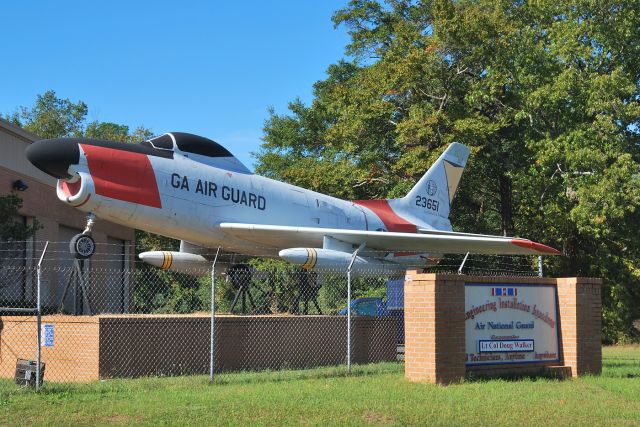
[
  {"x": 11, "y": 229},
  {"x": 52, "y": 117},
  {"x": 115, "y": 132},
  {"x": 546, "y": 95}
]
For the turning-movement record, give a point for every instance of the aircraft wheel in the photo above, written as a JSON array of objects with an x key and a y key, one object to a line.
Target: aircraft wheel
[{"x": 82, "y": 246}]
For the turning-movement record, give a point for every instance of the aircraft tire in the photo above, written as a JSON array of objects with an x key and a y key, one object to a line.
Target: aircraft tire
[{"x": 82, "y": 246}]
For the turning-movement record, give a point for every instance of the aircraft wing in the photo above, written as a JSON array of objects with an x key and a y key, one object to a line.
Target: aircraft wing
[{"x": 279, "y": 236}]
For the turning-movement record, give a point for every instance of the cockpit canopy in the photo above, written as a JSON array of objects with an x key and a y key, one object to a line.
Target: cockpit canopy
[{"x": 187, "y": 143}]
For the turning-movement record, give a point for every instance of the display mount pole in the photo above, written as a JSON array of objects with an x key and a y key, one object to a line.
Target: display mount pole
[
  {"x": 39, "y": 317},
  {"x": 540, "y": 272},
  {"x": 212, "y": 349},
  {"x": 462, "y": 265},
  {"x": 353, "y": 259}
]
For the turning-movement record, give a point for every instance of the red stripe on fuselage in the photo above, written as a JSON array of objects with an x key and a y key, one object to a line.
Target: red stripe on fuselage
[
  {"x": 122, "y": 175},
  {"x": 391, "y": 220}
]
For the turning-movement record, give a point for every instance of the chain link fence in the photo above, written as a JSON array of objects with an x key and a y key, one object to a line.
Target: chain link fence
[{"x": 113, "y": 316}]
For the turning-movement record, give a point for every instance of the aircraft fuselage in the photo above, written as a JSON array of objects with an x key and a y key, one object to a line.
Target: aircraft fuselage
[{"x": 191, "y": 188}]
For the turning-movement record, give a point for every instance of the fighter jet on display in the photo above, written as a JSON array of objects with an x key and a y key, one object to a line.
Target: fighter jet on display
[{"x": 191, "y": 188}]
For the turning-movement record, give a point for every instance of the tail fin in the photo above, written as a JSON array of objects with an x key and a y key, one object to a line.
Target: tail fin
[{"x": 434, "y": 192}]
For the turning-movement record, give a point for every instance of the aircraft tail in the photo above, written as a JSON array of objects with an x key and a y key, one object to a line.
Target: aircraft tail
[{"x": 434, "y": 192}]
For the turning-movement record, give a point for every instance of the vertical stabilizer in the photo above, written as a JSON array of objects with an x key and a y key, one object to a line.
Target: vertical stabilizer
[{"x": 434, "y": 192}]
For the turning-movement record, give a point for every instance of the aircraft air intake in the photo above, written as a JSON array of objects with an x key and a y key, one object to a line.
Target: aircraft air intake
[{"x": 76, "y": 191}]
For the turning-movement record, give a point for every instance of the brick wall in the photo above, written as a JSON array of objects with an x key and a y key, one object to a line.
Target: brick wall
[
  {"x": 434, "y": 328},
  {"x": 580, "y": 307},
  {"x": 150, "y": 345},
  {"x": 88, "y": 348}
]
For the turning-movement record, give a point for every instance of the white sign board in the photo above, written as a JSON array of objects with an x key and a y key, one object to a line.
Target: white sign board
[
  {"x": 510, "y": 323},
  {"x": 47, "y": 335}
]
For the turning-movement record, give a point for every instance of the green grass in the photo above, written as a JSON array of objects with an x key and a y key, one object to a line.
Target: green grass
[{"x": 375, "y": 394}]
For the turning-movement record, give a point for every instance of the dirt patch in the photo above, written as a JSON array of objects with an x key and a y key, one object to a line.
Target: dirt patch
[
  {"x": 372, "y": 417},
  {"x": 121, "y": 419}
]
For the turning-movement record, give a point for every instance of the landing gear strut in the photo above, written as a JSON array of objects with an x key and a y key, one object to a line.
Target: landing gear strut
[
  {"x": 240, "y": 276},
  {"x": 307, "y": 285},
  {"x": 82, "y": 246}
]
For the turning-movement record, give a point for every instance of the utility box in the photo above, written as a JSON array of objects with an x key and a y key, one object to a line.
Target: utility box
[{"x": 26, "y": 372}]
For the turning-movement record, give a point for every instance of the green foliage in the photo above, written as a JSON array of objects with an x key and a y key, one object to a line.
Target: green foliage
[
  {"x": 158, "y": 291},
  {"x": 10, "y": 227},
  {"x": 275, "y": 284},
  {"x": 114, "y": 132},
  {"x": 545, "y": 93},
  {"x": 52, "y": 117},
  {"x": 154, "y": 242}
]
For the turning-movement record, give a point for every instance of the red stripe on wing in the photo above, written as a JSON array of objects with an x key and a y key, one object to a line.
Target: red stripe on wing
[
  {"x": 122, "y": 175},
  {"x": 538, "y": 247}
]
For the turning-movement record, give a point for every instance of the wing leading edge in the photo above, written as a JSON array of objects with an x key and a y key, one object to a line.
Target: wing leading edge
[{"x": 279, "y": 236}]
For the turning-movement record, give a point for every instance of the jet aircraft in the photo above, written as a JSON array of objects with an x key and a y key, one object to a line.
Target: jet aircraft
[{"x": 193, "y": 189}]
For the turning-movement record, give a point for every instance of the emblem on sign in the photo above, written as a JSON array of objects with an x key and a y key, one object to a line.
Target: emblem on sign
[{"x": 432, "y": 187}]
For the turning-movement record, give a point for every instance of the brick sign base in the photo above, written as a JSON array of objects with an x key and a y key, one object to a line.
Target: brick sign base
[{"x": 435, "y": 328}]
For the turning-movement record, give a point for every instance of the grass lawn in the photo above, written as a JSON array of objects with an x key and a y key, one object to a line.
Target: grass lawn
[{"x": 375, "y": 394}]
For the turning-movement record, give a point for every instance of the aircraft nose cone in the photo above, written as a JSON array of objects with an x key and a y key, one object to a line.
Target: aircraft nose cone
[{"x": 54, "y": 156}]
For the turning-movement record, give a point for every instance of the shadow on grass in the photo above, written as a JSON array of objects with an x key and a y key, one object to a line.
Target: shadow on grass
[
  {"x": 515, "y": 377},
  {"x": 246, "y": 377},
  {"x": 8, "y": 389},
  {"x": 620, "y": 363}
]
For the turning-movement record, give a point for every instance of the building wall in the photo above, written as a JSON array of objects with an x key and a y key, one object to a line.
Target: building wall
[{"x": 58, "y": 223}]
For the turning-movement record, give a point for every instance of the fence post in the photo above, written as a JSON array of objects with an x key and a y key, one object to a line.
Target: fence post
[
  {"x": 212, "y": 348},
  {"x": 353, "y": 258},
  {"x": 39, "y": 317}
]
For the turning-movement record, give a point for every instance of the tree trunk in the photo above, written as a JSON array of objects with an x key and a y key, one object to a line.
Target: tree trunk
[{"x": 506, "y": 213}]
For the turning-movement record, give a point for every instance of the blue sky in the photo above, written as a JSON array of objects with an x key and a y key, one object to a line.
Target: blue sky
[{"x": 210, "y": 68}]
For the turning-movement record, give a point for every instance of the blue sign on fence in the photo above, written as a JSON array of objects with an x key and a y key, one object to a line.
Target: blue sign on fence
[{"x": 47, "y": 335}]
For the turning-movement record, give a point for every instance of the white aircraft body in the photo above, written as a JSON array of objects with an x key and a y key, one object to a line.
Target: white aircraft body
[{"x": 191, "y": 188}]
